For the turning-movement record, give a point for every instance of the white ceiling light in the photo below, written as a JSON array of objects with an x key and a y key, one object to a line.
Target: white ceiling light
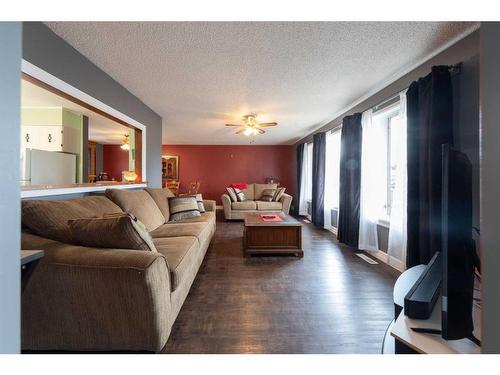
[{"x": 251, "y": 126}]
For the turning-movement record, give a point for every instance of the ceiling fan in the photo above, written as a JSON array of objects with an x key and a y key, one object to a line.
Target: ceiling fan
[{"x": 251, "y": 126}]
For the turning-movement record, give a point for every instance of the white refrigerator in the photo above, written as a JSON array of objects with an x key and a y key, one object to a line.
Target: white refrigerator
[{"x": 41, "y": 167}]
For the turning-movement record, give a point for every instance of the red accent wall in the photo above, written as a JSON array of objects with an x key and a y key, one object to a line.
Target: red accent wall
[
  {"x": 114, "y": 161},
  {"x": 217, "y": 166}
]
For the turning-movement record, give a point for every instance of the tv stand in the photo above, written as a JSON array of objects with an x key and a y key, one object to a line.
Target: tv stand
[{"x": 431, "y": 331}]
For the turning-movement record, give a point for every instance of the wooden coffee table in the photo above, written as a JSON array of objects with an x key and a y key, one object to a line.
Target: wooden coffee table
[{"x": 278, "y": 237}]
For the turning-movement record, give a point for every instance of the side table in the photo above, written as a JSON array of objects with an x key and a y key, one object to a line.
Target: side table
[{"x": 29, "y": 261}]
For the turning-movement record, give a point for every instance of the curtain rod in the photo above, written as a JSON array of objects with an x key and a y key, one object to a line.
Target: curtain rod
[{"x": 453, "y": 69}]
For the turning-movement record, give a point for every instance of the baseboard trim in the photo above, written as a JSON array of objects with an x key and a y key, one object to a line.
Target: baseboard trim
[
  {"x": 333, "y": 230},
  {"x": 387, "y": 259}
]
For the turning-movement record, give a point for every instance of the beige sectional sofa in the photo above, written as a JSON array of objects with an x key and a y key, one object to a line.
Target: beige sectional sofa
[
  {"x": 95, "y": 299},
  {"x": 252, "y": 203}
]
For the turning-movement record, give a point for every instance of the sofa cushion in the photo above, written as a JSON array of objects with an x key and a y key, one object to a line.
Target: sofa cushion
[
  {"x": 268, "y": 195},
  {"x": 259, "y": 189},
  {"x": 265, "y": 206},
  {"x": 201, "y": 231},
  {"x": 232, "y": 194},
  {"x": 279, "y": 194},
  {"x": 160, "y": 196},
  {"x": 140, "y": 204},
  {"x": 249, "y": 192},
  {"x": 183, "y": 208},
  {"x": 245, "y": 205},
  {"x": 206, "y": 217},
  {"x": 31, "y": 241},
  {"x": 50, "y": 218},
  {"x": 173, "y": 229},
  {"x": 199, "y": 201},
  {"x": 182, "y": 255},
  {"x": 240, "y": 195},
  {"x": 121, "y": 231}
]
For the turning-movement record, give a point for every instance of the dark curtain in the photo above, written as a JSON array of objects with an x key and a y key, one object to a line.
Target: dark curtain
[
  {"x": 429, "y": 125},
  {"x": 300, "y": 158},
  {"x": 318, "y": 179},
  {"x": 350, "y": 180}
]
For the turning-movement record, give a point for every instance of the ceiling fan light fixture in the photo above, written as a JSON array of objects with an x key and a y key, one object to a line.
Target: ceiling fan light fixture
[
  {"x": 251, "y": 119},
  {"x": 251, "y": 127}
]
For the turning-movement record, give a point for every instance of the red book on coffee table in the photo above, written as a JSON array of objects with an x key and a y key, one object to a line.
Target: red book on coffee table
[{"x": 270, "y": 217}]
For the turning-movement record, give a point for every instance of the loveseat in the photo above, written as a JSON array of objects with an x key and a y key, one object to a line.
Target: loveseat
[
  {"x": 95, "y": 299},
  {"x": 252, "y": 203}
]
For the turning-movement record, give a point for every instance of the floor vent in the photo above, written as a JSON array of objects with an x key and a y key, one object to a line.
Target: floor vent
[
  {"x": 306, "y": 221},
  {"x": 367, "y": 258}
]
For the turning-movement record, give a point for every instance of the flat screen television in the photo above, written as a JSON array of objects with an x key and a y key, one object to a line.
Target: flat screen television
[{"x": 457, "y": 249}]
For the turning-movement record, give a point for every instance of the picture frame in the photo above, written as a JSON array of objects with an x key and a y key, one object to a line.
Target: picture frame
[{"x": 170, "y": 167}]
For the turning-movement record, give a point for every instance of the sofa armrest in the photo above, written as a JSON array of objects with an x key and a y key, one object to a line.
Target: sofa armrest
[
  {"x": 226, "y": 203},
  {"x": 87, "y": 299},
  {"x": 209, "y": 204},
  {"x": 286, "y": 201}
]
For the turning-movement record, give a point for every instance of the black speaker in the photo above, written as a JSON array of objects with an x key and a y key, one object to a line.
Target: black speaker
[{"x": 420, "y": 300}]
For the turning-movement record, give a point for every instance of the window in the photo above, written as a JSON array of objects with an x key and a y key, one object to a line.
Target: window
[
  {"x": 332, "y": 175},
  {"x": 383, "y": 177},
  {"x": 395, "y": 131},
  {"x": 309, "y": 177},
  {"x": 389, "y": 120},
  {"x": 306, "y": 181}
]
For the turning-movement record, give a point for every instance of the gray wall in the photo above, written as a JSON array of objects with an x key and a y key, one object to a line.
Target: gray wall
[
  {"x": 10, "y": 75},
  {"x": 49, "y": 52},
  {"x": 490, "y": 184}
]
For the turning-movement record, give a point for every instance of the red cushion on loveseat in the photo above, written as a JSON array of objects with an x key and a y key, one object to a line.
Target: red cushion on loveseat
[{"x": 240, "y": 185}]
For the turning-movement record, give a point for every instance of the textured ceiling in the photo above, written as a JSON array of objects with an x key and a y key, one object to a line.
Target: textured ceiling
[
  {"x": 198, "y": 76},
  {"x": 101, "y": 129}
]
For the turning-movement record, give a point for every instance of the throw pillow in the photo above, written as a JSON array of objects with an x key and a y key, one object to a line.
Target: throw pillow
[
  {"x": 239, "y": 185},
  {"x": 199, "y": 201},
  {"x": 115, "y": 231},
  {"x": 240, "y": 195},
  {"x": 268, "y": 195},
  {"x": 232, "y": 194},
  {"x": 279, "y": 194},
  {"x": 183, "y": 208}
]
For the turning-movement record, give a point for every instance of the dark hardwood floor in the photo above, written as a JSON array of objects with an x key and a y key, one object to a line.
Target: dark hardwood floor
[{"x": 330, "y": 301}]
